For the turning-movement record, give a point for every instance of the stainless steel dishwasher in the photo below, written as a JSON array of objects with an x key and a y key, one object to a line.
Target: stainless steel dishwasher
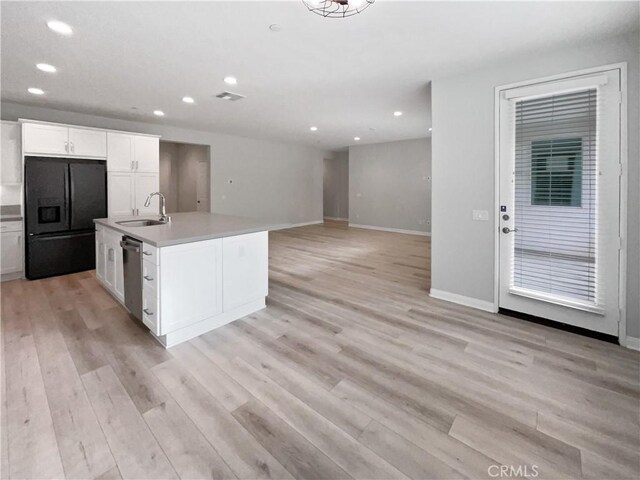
[{"x": 131, "y": 250}]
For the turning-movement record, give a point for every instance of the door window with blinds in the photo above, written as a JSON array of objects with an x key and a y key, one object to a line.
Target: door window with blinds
[
  {"x": 559, "y": 171},
  {"x": 555, "y": 248}
]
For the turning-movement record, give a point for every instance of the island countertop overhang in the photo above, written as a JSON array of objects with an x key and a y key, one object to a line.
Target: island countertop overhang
[{"x": 187, "y": 227}]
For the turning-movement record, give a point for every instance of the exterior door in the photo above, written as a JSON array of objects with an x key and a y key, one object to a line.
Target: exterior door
[{"x": 559, "y": 167}]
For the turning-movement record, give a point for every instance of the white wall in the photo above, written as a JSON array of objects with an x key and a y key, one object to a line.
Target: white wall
[
  {"x": 463, "y": 166},
  {"x": 336, "y": 186},
  {"x": 280, "y": 183},
  {"x": 169, "y": 175},
  {"x": 389, "y": 185},
  {"x": 188, "y": 158}
]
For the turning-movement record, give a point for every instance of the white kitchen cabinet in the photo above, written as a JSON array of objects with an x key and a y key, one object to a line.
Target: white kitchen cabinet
[
  {"x": 145, "y": 184},
  {"x": 114, "y": 263},
  {"x": 146, "y": 154},
  {"x": 41, "y": 138},
  {"x": 11, "y": 246},
  {"x": 47, "y": 139},
  {"x": 120, "y": 152},
  {"x": 101, "y": 255},
  {"x": 121, "y": 193},
  {"x": 246, "y": 276},
  {"x": 87, "y": 143},
  {"x": 11, "y": 161}
]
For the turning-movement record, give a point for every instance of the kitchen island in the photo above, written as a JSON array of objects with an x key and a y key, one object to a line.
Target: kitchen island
[{"x": 198, "y": 272}]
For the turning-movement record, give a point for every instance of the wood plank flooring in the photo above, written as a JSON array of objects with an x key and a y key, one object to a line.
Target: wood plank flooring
[{"x": 352, "y": 371}]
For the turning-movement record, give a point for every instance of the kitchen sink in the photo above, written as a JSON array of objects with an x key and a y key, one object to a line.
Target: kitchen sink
[{"x": 144, "y": 222}]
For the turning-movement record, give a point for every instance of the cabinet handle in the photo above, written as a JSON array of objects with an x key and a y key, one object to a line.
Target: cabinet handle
[
  {"x": 72, "y": 148},
  {"x": 136, "y": 165},
  {"x": 66, "y": 147},
  {"x": 132, "y": 165},
  {"x": 147, "y": 277},
  {"x": 144, "y": 252},
  {"x": 146, "y": 310}
]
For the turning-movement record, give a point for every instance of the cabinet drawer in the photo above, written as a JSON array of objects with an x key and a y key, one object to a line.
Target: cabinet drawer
[
  {"x": 149, "y": 275},
  {"x": 150, "y": 310},
  {"x": 150, "y": 253},
  {"x": 11, "y": 226}
]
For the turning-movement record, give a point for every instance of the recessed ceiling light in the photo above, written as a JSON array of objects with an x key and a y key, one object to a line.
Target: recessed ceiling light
[
  {"x": 188, "y": 100},
  {"x": 430, "y": 129},
  {"x": 397, "y": 113},
  {"x": 59, "y": 27},
  {"x": 35, "y": 91},
  {"x": 158, "y": 113},
  {"x": 45, "y": 67},
  {"x": 230, "y": 80},
  {"x": 274, "y": 27},
  {"x": 357, "y": 139},
  {"x": 313, "y": 129}
]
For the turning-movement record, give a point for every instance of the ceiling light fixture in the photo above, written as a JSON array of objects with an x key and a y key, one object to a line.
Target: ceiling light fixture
[
  {"x": 60, "y": 27},
  {"x": 274, "y": 27},
  {"x": 337, "y": 8},
  {"x": 158, "y": 113},
  {"x": 397, "y": 113},
  {"x": 188, "y": 100},
  {"x": 357, "y": 139},
  {"x": 230, "y": 80},
  {"x": 313, "y": 129},
  {"x": 35, "y": 91},
  {"x": 45, "y": 67}
]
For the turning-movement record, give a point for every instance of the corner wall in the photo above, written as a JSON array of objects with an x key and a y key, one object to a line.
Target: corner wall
[
  {"x": 336, "y": 186},
  {"x": 276, "y": 182},
  {"x": 390, "y": 187},
  {"x": 463, "y": 166}
]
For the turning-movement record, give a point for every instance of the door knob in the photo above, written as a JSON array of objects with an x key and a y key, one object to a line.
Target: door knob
[{"x": 509, "y": 230}]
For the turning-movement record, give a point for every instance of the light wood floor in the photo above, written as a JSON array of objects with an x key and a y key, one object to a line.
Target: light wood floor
[{"x": 351, "y": 371}]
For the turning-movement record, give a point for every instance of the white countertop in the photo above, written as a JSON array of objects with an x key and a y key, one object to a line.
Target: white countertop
[{"x": 187, "y": 227}]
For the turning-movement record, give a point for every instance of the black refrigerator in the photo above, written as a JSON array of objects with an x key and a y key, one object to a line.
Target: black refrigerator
[{"x": 62, "y": 197}]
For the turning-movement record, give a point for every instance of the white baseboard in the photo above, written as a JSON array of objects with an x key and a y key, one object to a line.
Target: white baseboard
[
  {"x": 338, "y": 219},
  {"x": 632, "y": 342},
  {"x": 294, "y": 225},
  {"x": 462, "y": 300},
  {"x": 394, "y": 230}
]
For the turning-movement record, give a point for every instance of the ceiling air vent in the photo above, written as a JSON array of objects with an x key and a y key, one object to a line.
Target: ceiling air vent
[{"x": 232, "y": 97}]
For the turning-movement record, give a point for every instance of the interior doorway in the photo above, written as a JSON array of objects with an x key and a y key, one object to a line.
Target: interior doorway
[
  {"x": 185, "y": 176},
  {"x": 336, "y": 187}
]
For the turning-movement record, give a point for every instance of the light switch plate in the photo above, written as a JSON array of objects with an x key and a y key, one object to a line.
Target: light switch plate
[{"x": 481, "y": 215}]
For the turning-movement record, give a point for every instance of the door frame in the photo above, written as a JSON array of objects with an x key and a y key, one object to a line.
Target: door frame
[{"x": 622, "y": 203}]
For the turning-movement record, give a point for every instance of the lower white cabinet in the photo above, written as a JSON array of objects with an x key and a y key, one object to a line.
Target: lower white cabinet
[
  {"x": 109, "y": 261},
  {"x": 11, "y": 246},
  {"x": 245, "y": 267},
  {"x": 127, "y": 193}
]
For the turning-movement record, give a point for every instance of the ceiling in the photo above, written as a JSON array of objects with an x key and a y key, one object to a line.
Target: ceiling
[{"x": 345, "y": 76}]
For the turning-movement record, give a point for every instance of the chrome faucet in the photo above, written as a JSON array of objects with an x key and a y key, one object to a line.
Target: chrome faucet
[{"x": 164, "y": 218}]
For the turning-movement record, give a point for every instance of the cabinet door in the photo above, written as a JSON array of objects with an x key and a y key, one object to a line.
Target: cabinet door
[
  {"x": 118, "y": 285},
  {"x": 101, "y": 257},
  {"x": 48, "y": 139},
  {"x": 120, "y": 193},
  {"x": 11, "y": 249},
  {"x": 146, "y": 183},
  {"x": 87, "y": 143},
  {"x": 120, "y": 152},
  {"x": 147, "y": 154},
  {"x": 11, "y": 168},
  {"x": 245, "y": 269}
]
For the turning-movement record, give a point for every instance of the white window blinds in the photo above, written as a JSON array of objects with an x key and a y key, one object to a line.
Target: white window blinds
[{"x": 556, "y": 181}]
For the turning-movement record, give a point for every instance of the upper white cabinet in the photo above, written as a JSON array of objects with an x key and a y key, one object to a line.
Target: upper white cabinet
[
  {"x": 11, "y": 161},
  {"x": 147, "y": 154},
  {"x": 87, "y": 143},
  {"x": 120, "y": 152},
  {"x": 46, "y": 139},
  {"x": 133, "y": 153}
]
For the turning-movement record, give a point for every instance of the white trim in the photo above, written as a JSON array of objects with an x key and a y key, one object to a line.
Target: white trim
[
  {"x": 622, "y": 266},
  {"x": 632, "y": 343},
  {"x": 462, "y": 300},
  {"x": 295, "y": 225},
  {"x": 394, "y": 230},
  {"x": 83, "y": 127},
  {"x": 338, "y": 219}
]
